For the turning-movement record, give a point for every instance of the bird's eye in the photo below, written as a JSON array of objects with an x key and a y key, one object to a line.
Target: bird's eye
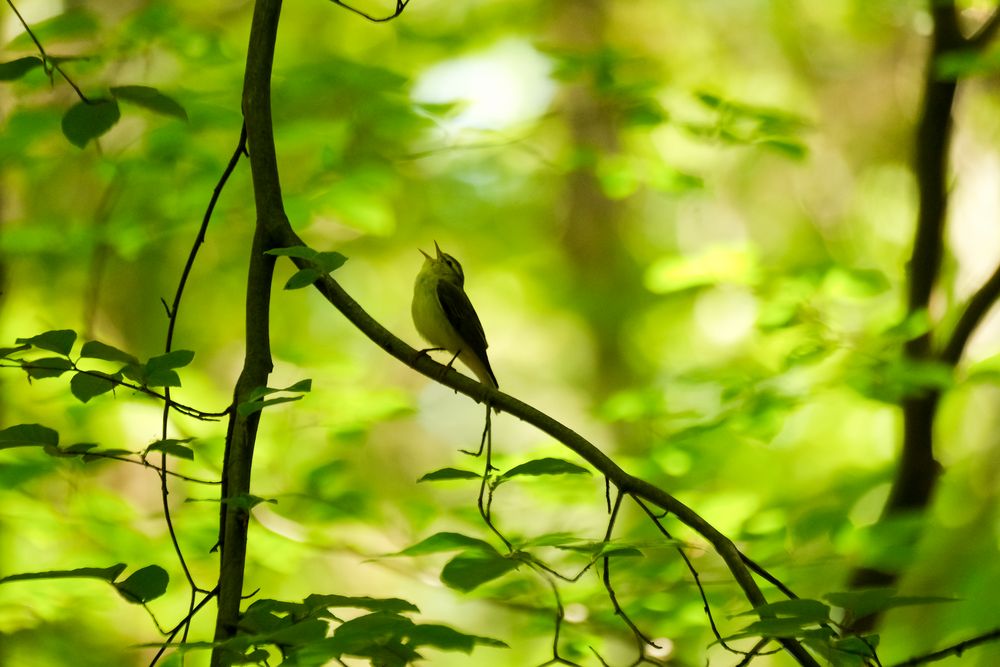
[{"x": 454, "y": 265}]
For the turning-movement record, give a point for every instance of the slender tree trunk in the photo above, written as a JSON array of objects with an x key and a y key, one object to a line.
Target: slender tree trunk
[
  {"x": 257, "y": 361},
  {"x": 917, "y": 471}
]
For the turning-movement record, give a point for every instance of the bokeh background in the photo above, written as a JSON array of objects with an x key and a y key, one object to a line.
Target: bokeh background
[{"x": 685, "y": 229}]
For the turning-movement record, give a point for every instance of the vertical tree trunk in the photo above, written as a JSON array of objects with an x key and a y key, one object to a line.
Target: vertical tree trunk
[{"x": 257, "y": 361}]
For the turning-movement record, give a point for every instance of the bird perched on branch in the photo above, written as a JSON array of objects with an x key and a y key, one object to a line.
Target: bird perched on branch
[{"x": 445, "y": 317}]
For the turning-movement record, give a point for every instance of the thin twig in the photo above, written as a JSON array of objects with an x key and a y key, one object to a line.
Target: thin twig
[
  {"x": 47, "y": 61},
  {"x": 980, "y": 303},
  {"x": 145, "y": 464},
  {"x": 172, "y": 312},
  {"x": 694, "y": 574},
  {"x": 186, "y": 410},
  {"x": 400, "y": 6},
  {"x": 955, "y": 649},
  {"x": 184, "y": 622},
  {"x": 606, "y": 577}
]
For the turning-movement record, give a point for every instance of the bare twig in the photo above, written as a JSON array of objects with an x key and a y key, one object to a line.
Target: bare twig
[
  {"x": 184, "y": 622},
  {"x": 142, "y": 389},
  {"x": 955, "y": 649},
  {"x": 980, "y": 303},
  {"x": 400, "y": 6},
  {"x": 47, "y": 61}
]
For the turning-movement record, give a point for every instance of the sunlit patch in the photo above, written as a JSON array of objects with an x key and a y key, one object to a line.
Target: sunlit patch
[
  {"x": 506, "y": 84},
  {"x": 726, "y": 315},
  {"x": 575, "y": 613},
  {"x": 666, "y": 648}
]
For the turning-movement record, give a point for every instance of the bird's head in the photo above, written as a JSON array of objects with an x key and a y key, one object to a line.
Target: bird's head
[{"x": 444, "y": 266}]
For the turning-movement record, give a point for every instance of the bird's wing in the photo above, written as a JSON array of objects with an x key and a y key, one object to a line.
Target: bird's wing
[{"x": 462, "y": 316}]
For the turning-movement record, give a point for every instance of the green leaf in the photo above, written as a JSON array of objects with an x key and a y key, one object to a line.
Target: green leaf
[
  {"x": 329, "y": 261},
  {"x": 173, "y": 448},
  {"x": 28, "y": 435},
  {"x": 7, "y": 351},
  {"x": 448, "y": 473},
  {"x": 303, "y": 278},
  {"x": 300, "y": 251},
  {"x": 170, "y": 360},
  {"x": 602, "y": 549},
  {"x": 87, "y": 385},
  {"x": 94, "y": 349},
  {"x": 249, "y": 407},
  {"x": 47, "y": 367},
  {"x": 144, "y": 584},
  {"x": 446, "y": 542},
  {"x": 247, "y": 501},
  {"x": 165, "y": 378},
  {"x": 775, "y": 627},
  {"x": 108, "y": 574},
  {"x": 302, "y": 386},
  {"x": 394, "y": 605},
  {"x": 806, "y": 611},
  {"x": 150, "y": 98},
  {"x": 59, "y": 341},
  {"x": 83, "y": 122},
  {"x": 871, "y": 600},
  {"x": 546, "y": 466},
  {"x": 158, "y": 371},
  {"x": 309, "y": 630},
  {"x": 375, "y": 626},
  {"x": 15, "y": 69},
  {"x": 472, "y": 569},
  {"x": 449, "y": 639},
  {"x": 325, "y": 263}
]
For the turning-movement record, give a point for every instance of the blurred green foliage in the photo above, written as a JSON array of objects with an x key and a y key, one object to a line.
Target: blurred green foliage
[{"x": 727, "y": 323}]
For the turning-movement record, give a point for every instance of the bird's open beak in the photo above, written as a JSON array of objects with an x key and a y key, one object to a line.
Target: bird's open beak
[
  {"x": 438, "y": 248},
  {"x": 424, "y": 254}
]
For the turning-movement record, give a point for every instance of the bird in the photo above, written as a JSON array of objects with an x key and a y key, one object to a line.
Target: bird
[{"x": 444, "y": 316}]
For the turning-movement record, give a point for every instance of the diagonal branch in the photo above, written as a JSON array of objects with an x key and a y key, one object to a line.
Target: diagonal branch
[
  {"x": 974, "y": 312},
  {"x": 626, "y": 483},
  {"x": 987, "y": 31}
]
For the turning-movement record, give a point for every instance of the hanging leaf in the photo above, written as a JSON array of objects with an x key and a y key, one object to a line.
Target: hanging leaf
[
  {"x": 83, "y": 122},
  {"x": 47, "y": 367},
  {"x": 871, "y": 600},
  {"x": 394, "y": 605},
  {"x": 94, "y": 349},
  {"x": 15, "y": 69},
  {"x": 87, "y": 385},
  {"x": 150, "y": 98},
  {"x": 303, "y": 278},
  {"x": 108, "y": 574},
  {"x": 446, "y": 542},
  {"x": 448, "y": 473},
  {"x": 28, "y": 435},
  {"x": 806, "y": 611},
  {"x": 546, "y": 466},
  {"x": 173, "y": 448},
  {"x": 144, "y": 584},
  {"x": 449, "y": 639},
  {"x": 472, "y": 569}
]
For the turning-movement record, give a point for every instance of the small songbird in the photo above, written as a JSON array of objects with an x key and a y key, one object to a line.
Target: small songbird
[{"x": 444, "y": 315}]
